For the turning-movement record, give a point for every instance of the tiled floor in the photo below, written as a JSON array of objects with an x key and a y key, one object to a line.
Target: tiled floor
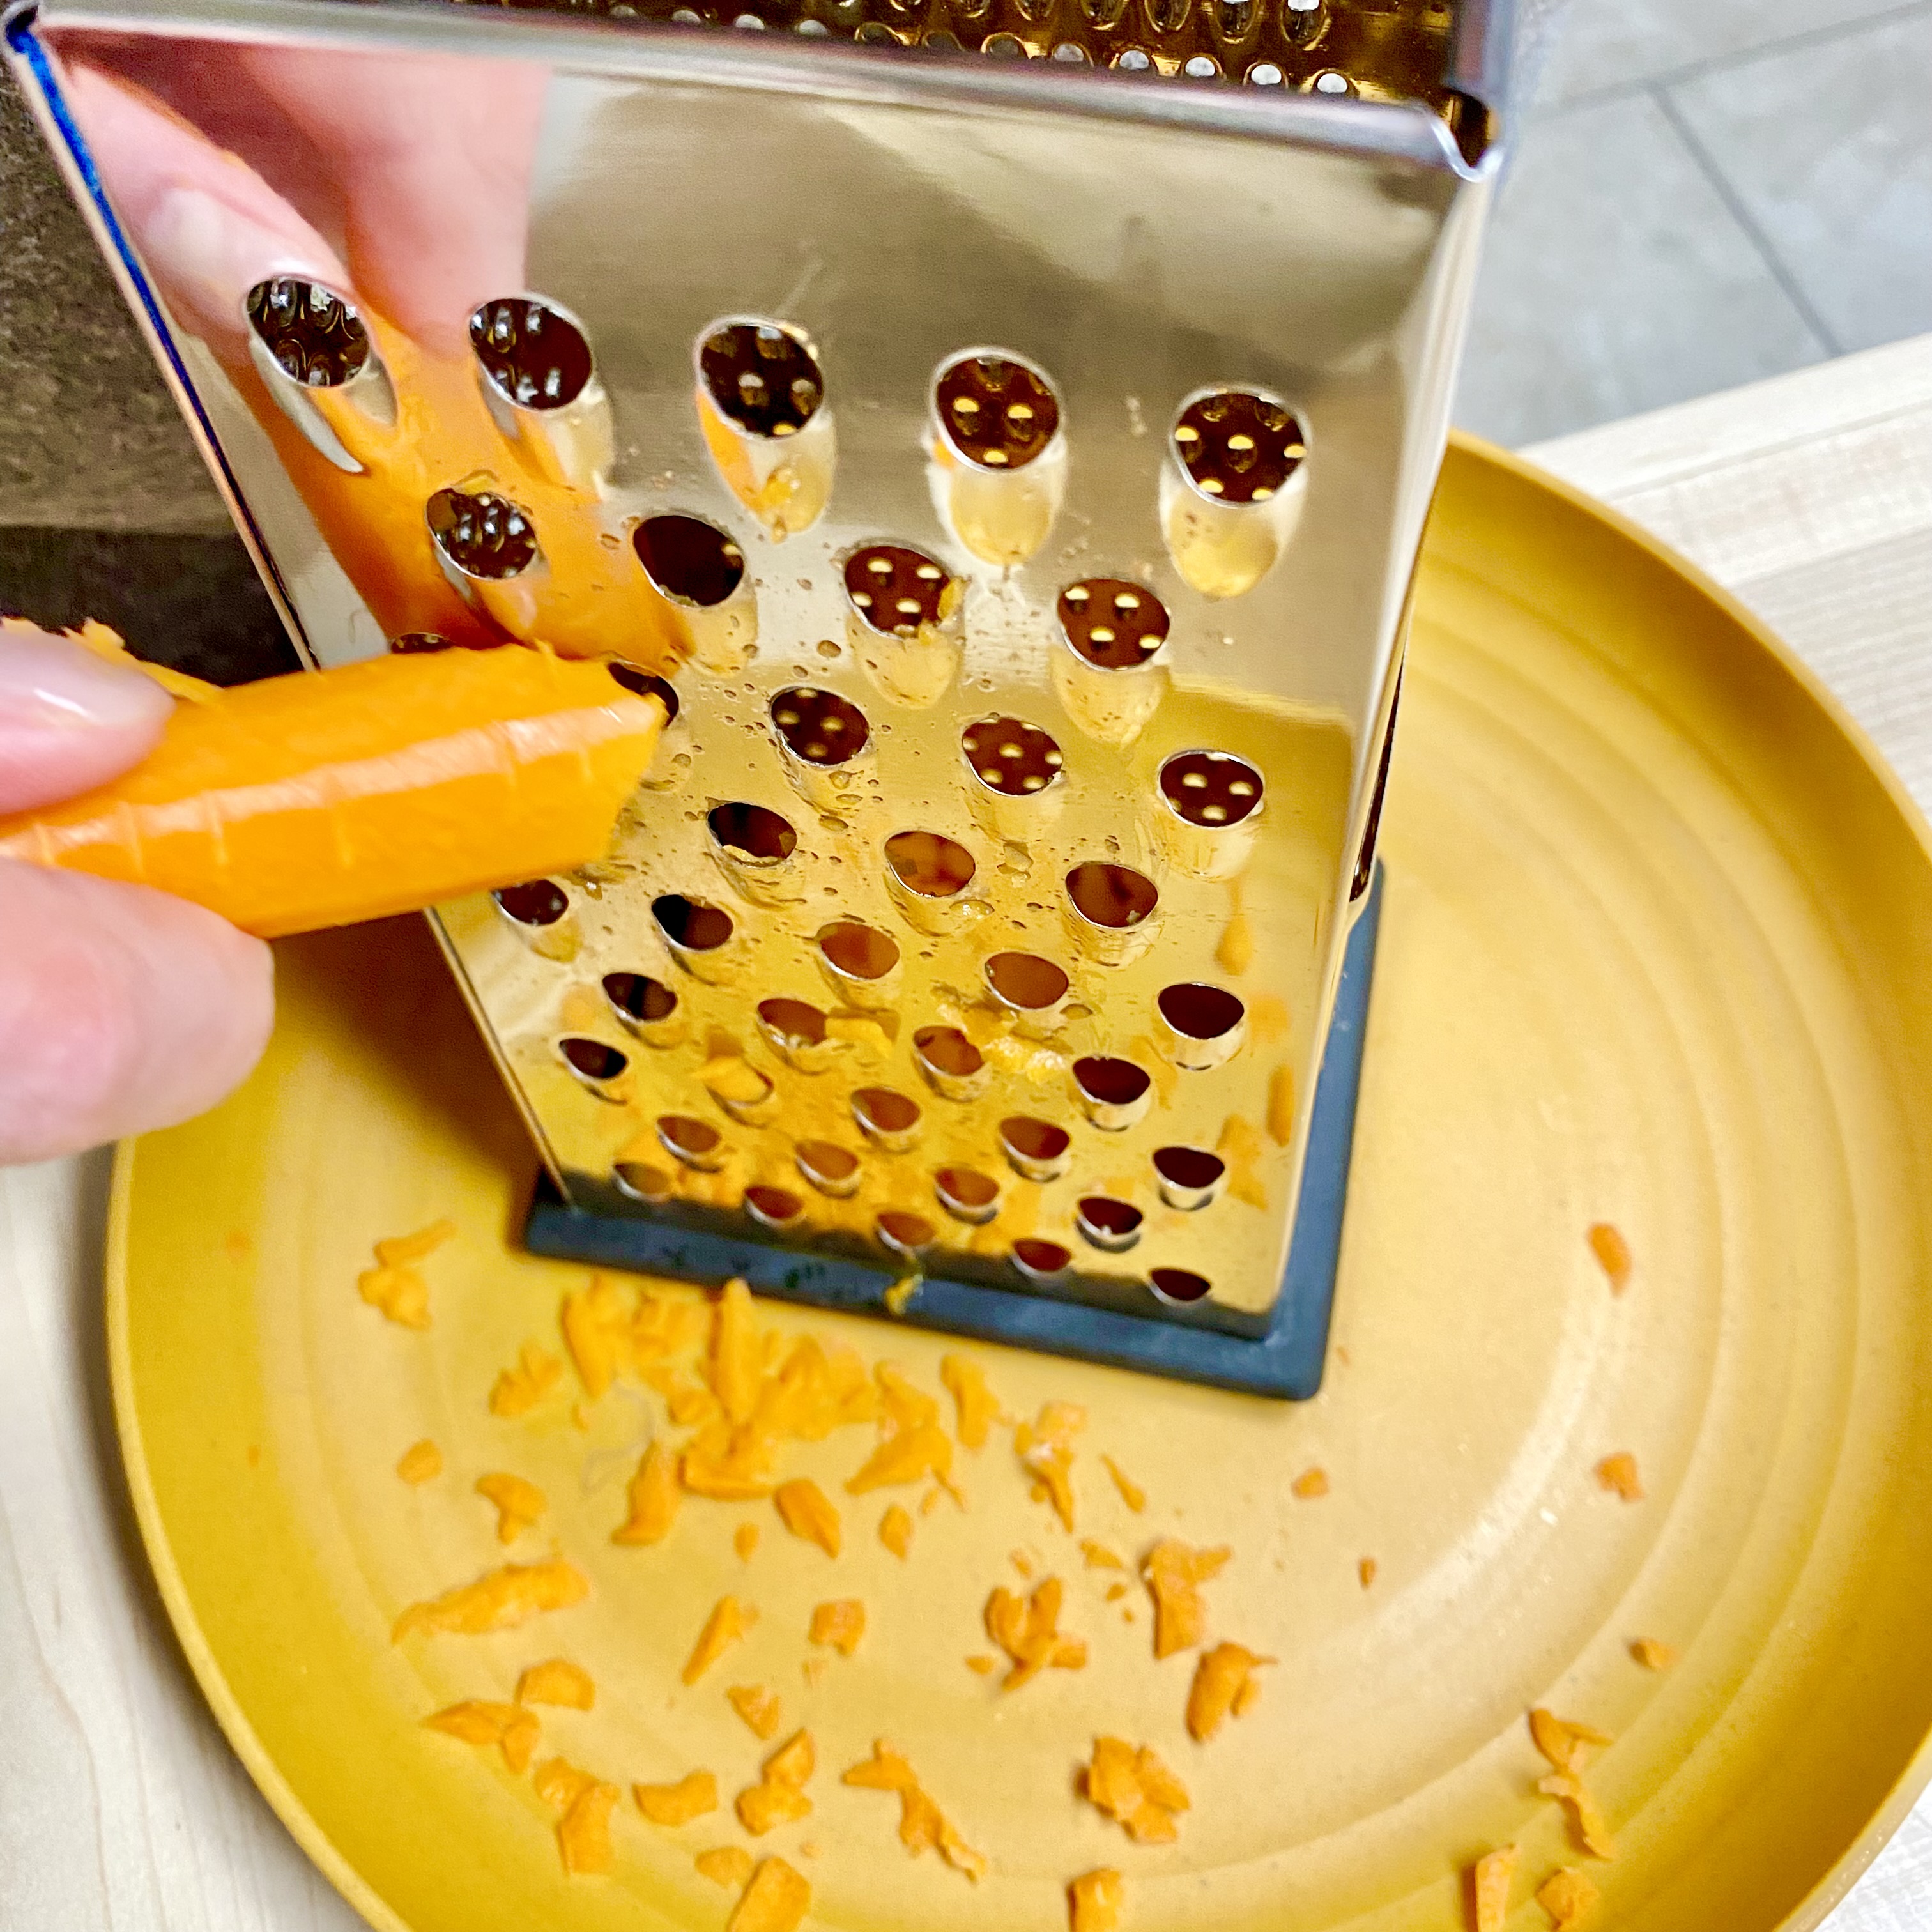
[{"x": 1706, "y": 191}]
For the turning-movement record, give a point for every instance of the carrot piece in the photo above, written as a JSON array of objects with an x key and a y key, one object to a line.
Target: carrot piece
[
  {"x": 329, "y": 796},
  {"x": 692, "y": 1796},
  {"x": 557, "y": 1680},
  {"x": 1094, "y": 1901},
  {"x": 421, "y": 1462},
  {"x": 727, "y": 1865},
  {"x": 500, "y": 1601},
  {"x": 1489, "y": 1889},
  {"x": 1613, "y": 1253},
  {"x": 776, "y": 1900}
]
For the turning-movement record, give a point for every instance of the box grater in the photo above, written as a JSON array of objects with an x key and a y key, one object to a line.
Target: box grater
[{"x": 1001, "y": 431}]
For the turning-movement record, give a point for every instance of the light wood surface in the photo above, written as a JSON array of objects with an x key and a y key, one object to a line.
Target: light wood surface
[{"x": 120, "y": 1808}]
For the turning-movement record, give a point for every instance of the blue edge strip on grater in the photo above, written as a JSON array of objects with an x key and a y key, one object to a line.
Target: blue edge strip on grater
[{"x": 1287, "y": 1361}]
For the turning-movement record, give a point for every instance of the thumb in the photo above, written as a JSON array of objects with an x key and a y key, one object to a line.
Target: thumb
[{"x": 69, "y": 719}]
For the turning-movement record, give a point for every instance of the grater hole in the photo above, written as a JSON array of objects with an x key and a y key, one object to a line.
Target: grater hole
[
  {"x": 1112, "y": 1226},
  {"x": 1041, "y": 1261},
  {"x": 1024, "y": 979},
  {"x": 690, "y": 924},
  {"x": 884, "y": 1113},
  {"x": 1238, "y": 446},
  {"x": 929, "y": 864},
  {"x": 534, "y": 355},
  {"x": 643, "y": 1182},
  {"x": 1039, "y": 1143},
  {"x": 1114, "y": 896},
  {"x": 895, "y": 589},
  {"x": 904, "y": 1233},
  {"x": 792, "y": 1023},
  {"x": 1201, "y": 1012},
  {"x": 966, "y": 1194},
  {"x": 753, "y": 832},
  {"x": 775, "y": 1206},
  {"x": 316, "y": 338},
  {"x": 419, "y": 643},
  {"x": 1008, "y": 756},
  {"x": 535, "y": 902},
  {"x": 1180, "y": 1285},
  {"x": 637, "y": 996},
  {"x": 1211, "y": 788},
  {"x": 1332, "y": 83},
  {"x": 858, "y": 952},
  {"x": 696, "y": 1143},
  {"x": 996, "y": 410},
  {"x": 762, "y": 375},
  {"x": 1111, "y": 623},
  {"x": 820, "y": 727},
  {"x": 688, "y": 560},
  {"x": 1108, "y": 1082},
  {"x": 484, "y": 536},
  {"x": 946, "y": 1052},
  {"x": 591, "y": 1060},
  {"x": 830, "y": 1168},
  {"x": 1191, "y": 1169},
  {"x": 645, "y": 685}
]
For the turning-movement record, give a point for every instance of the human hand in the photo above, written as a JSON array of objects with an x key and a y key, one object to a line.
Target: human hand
[{"x": 121, "y": 1008}]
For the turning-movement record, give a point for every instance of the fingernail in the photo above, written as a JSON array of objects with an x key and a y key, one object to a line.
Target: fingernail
[{"x": 50, "y": 684}]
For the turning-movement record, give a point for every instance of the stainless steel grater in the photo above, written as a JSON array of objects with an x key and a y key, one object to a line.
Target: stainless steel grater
[{"x": 1009, "y": 472}]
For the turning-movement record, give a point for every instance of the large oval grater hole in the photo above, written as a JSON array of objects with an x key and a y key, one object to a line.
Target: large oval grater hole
[
  {"x": 820, "y": 727},
  {"x": 762, "y": 375},
  {"x": 1201, "y": 1012},
  {"x": 534, "y": 903},
  {"x": 534, "y": 355},
  {"x": 316, "y": 338},
  {"x": 419, "y": 644},
  {"x": 1111, "y": 623},
  {"x": 691, "y": 923},
  {"x": 638, "y": 997},
  {"x": 885, "y": 1114},
  {"x": 591, "y": 1060},
  {"x": 773, "y": 1207},
  {"x": 1112, "y": 1226},
  {"x": 1024, "y": 980},
  {"x": 1211, "y": 788},
  {"x": 752, "y": 832},
  {"x": 946, "y": 1052},
  {"x": 689, "y": 561},
  {"x": 697, "y": 1143},
  {"x": 1115, "y": 897},
  {"x": 1010, "y": 757},
  {"x": 1180, "y": 1286},
  {"x": 830, "y": 1168},
  {"x": 966, "y": 1194},
  {"x": 896, "y": 589},
  {"x": 1239, "y": 447},
  {"x": 792, "y": 1023},
  {"x": 1035, "y": 1149},
  {"x": 996, "y": 410},
  {"x": 905, "y": 1234},
  {"x": 929, "y": 864},
  {"x": 1190, "y": 1178},
  {"x": 858, "y": 952},
  {"x": 1041, "y": 1261},
  {"x": 1108, "y": 1082},
  {"x": 644, "y": 1182},
  {"x": 645, "y": 685},
  {"x": 485, "y": 536}
]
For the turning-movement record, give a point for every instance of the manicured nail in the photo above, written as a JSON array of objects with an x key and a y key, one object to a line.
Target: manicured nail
[
  {"x": 208, "y": 255},
  {"x": 51, "y": 684}
]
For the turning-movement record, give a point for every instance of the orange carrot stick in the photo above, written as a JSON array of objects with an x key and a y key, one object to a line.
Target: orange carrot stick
[{"x": 329, "y": 796}]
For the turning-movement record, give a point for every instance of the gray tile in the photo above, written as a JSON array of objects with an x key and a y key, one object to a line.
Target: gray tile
[
  {"x": 1604, "y": 43},
  {"x": 1829, "y": 151},
  {"x": 1616, "y": 280}
]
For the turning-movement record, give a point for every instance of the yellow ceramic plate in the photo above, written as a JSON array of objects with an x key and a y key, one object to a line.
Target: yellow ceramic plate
[{"x": 1654, "y": 953}]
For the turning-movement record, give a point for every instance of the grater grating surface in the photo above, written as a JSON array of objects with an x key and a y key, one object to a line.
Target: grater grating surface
[{"x": 1010, "y": 477}]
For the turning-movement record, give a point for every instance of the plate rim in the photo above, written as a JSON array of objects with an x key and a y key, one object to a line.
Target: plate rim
[{"x": 1832, "y": 1886}]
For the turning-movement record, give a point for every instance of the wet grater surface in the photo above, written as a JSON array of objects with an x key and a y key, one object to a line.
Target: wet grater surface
[{"x": 1022, "y": 559}]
